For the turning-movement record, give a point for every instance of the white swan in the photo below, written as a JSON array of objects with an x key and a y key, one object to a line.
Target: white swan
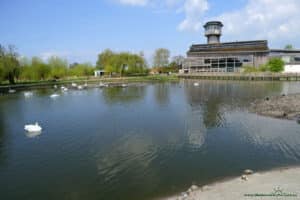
[
  {"x": 33, "y": 127},
  {"x": 79, "y": 87},
  {"x": 196, "y": 84},
  {"x": 28, "y": 94},
  {"x": 11, "y": 91},
  {"x": 124, "y": 85},
  {"x": 63, "y": 88},
  {"x": 101, "y": 84},
  {"x": 74, "y": 85},
  {"x": 54, "y": 95}
]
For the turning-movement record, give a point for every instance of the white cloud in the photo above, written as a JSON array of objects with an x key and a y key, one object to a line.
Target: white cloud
[
  {"x": 274, "y": 20},
  {"x": 134, "y": 2},
  {"x": 263, "y": 19},
  {"x": 194, "y": 11}
]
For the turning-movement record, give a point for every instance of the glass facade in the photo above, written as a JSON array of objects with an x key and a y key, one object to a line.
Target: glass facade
[{"x": 219, "y": 64}]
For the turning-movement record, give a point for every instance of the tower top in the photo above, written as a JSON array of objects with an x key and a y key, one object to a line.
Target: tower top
[{"x": 213, "y": 31}]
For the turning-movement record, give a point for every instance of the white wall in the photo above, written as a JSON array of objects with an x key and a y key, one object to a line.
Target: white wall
[{"x": 292, "y": 69}]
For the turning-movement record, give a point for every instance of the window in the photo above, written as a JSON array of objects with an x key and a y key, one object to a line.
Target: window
[
  {"x": 297, "y": 59},
  {"x": 286, "y": 59}
]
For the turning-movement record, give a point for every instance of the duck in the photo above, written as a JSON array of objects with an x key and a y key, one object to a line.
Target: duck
[{"x": 33, "y": 127}]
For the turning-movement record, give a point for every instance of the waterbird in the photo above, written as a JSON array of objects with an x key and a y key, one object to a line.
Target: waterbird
[
  {"x": 33, "y": 127},
  {"x": 11, "y": 91},
  {"x": 53, "y": 96},
  {"x": 28, "y": 94}
]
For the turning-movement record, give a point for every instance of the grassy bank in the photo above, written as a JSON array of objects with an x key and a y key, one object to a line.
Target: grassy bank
[{"x": 46, "y": 83}]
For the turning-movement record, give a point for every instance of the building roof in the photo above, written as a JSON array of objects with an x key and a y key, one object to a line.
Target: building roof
[
  {"x": 254, "y": 46},
  {"x": 285, "y": 51},
  {"x": 218, "y": 23}
]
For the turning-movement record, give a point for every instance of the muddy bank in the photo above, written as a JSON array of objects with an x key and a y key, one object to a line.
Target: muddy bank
[
  {"x": 276, "y": 184},
  {"x": 283, "y": 107}
]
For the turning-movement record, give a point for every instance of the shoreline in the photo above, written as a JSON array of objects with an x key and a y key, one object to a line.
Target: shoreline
[
  {"x": 281, "y": 107},
  {"x": 282, "y": 182},
  {"x": 91, "y": 80}
]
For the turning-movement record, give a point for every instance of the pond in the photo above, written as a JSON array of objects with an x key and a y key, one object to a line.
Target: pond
[{"x": 143, "y": 141}]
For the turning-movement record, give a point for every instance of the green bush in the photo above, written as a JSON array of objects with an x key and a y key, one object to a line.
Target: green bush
[
  {"x": 276, "y": 65},
  {"x": 250, "y": 69},
  {"x": 263, "y": 68}
]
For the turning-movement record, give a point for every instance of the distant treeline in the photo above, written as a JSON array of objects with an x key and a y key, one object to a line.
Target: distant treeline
[{"x": 15, "y": 68}]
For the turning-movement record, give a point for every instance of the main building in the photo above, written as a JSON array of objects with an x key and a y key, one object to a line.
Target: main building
[{"x": 232, "y": 56}]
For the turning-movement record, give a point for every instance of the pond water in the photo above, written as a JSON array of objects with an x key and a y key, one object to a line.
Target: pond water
[{"x": 140, "y": 142}]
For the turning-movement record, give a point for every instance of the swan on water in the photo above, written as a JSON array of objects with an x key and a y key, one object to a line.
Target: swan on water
[
  {"x": 33, "y": 127},
  {"x": 11, "y": 91},
  {"x": 54, "y": 95},
  {"x": 196, "y": 84},
  {"x": 63, "y": 88},
  {"x": 79, "y": 87},
  {"x": 28, "y": 94},
  {"x": 124, "y": 85},
  {"x": 74, "y": 85},
  {"x": 55, "y": 86}
]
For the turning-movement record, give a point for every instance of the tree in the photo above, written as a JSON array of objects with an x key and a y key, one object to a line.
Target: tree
[
  {"x": 161, "y": 57},
  {"x": 84, "y": 69},
  {"x": 105, "y": 58},
  {"x": 58, "y": 67},
  {"x": 178, "y": 60},
  {"x": 41, "y": 70},
  {"x": 9, "y": 63},
  {"x": 121, "y": 63},
  {"x": 1, "y": 71},
  {"x": 288, "y": 47},
  {"x": 276, "y": 65}
]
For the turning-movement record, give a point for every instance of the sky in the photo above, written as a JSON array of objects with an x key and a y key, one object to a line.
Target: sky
[{"x": 79, "y": 30}]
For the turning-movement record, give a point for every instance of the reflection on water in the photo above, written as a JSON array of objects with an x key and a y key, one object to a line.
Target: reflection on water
[
  {"x": 195, "y": 128},
  {"x": 123, "y": 95},
  {"x": 161, "y": 92},
  {"x": 33, "y": 134},
  {"x": 2, "y": 140},
  {"x": 139, "y": 142}
]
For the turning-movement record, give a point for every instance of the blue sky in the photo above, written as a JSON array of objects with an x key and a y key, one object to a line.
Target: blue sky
[{"x": 79, "y": 30}]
